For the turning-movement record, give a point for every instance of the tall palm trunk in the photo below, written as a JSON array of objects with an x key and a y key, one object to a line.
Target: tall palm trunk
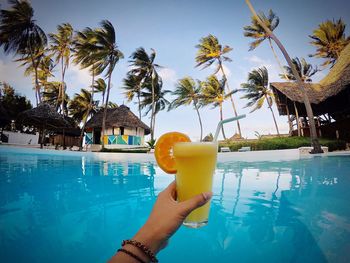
[
  {"x": 105, "y": 109},
  {"x": 273, "y": 115},
  {"x": 289, "y": 121},
  {"x": 286, "y": 77},
  {"x": 139, "y": 101},
  {"x": 229, "y": 90},
  {"x": 37, "y": 86},
  {"x": 88, "y": 112},
  {"x": 153, "y": 110},
  {"x": 313, "y": 134},
  {"x": 199, "y": 118},
  {"x": 63, "y": 92},
  {"x": 221, "y": 118},
  {"x": 297, "y": 118}
]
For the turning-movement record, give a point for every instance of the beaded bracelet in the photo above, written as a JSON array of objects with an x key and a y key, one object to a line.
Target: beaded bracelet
[
  {"x": 141, "y": 246},
  {"x": 131, "y": 255}
]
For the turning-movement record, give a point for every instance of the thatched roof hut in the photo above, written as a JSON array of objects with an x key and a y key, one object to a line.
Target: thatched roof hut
[
  {"x": 117, "y": 117},
  {"x": 330, "y": 95},
  {"x": 44, "y": 115}
]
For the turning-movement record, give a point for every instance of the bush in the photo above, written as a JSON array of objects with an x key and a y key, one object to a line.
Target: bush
[{"x": 280, "y": 143}]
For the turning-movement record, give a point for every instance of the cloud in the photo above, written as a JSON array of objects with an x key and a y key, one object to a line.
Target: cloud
[
  {"x": 168, "y": 74},
  {"x": 11, "y": 73}
]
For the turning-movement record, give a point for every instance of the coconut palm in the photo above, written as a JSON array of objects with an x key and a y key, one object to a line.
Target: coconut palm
[
  {"x": 20, "y": 34},
  {"x": 106, "y": 55},
  {"x": 187, "y": 92},
  {"x": 153, "y": 98},
  {"x": 304, "y": 69},
  {"x": 81, "y": 108},
  {"x": 51, "y": 95},
  {"x": 101, "y": 86},
  {"x": 210, "y": 51},
  {"x": 112, "y": 105},
  {"x": 213, "y": 93},
  {"x": 144, "y": 67},
  {"x": 132, "y": 87},
  {"x": 329, "y": 39},
  {"x": 313, "y": 134},
  {"x": 257, "y": 91},
  {"x": 61, "y": 47}
]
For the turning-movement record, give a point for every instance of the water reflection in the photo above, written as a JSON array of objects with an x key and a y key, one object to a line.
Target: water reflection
[{"x": 78, "y": 208}]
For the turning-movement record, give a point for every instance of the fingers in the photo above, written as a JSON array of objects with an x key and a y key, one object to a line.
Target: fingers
[{"x": 197, "y": 201}]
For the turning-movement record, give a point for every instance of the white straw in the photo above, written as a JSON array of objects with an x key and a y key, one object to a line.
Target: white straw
[{"x": 226, "y": 121}]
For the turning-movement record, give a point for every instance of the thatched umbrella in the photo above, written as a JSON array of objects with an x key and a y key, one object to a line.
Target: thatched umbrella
[{"x": 44, "y": 116}]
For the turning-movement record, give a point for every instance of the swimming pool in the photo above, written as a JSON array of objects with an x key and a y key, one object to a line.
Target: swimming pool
[{"x": 77, "y": 208}]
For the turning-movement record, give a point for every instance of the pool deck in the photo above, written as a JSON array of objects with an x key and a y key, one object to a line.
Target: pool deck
[{"x": 252, "y": 156}]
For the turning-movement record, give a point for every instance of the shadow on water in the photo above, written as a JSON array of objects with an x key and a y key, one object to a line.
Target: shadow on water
[{"x": 55, "y": 208}]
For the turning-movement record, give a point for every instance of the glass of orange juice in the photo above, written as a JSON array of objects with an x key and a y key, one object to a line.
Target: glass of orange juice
[{"x": 195, "y": 164}]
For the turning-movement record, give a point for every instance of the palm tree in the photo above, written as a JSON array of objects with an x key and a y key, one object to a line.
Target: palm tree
[
  {"x": 101, "y": 86},
  {"x": 112, "y": 105},
  {"x": 257, "y": 32},
  {"x": 81, "y": 109},
  {"x": 61, "y": 47},
  {"x": 187, "y": 92},
  {"x": 304, "y": 69},
  {"x": 313, "y": 133},
  {"x": 213, "y": 93},
  {"x": 106, "y": 55},
  {"x": 329, "y": 39},
  {"x": 132, "y": 87},
  {"x": 210, "y": 51},
  {"x": 257, "y": 91},
  {"x": 145, "y": 69},
  {"x": 153, "y": 98},
  {"x": 20, "y": 34},
  {"x": 51, "y": 96}
]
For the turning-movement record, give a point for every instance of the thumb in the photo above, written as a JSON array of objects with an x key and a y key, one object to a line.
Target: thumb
[{"x": 197, "y": 201}]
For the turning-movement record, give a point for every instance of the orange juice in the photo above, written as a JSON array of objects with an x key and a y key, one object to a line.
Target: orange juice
[{"x": 195, "y": 163}]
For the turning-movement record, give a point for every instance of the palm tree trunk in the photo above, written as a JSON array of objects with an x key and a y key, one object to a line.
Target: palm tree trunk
[
  {"x": 199, "y": 118},
  {"x": 297, "y": 118},
  {"x": 105, "y": 110},
  {"x": 221, "y": 118},
  {"x": 273, "y": 115},
  {"x": 153, "y": 109},
  {"x": 63, "y": 87},
  {"x": 313, "y": 134},
  {"x": 88, "y": 112},
  {"x": 35, "y": 66},
  {"x": 139, "y": 101},
  {"x": 229, "y": 90}
]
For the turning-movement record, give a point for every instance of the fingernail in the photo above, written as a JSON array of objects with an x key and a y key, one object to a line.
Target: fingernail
[{"x": 207, "y": 195}]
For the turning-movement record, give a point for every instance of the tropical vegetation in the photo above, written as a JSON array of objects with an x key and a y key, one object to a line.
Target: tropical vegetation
[{"x": 257, "y": 91}]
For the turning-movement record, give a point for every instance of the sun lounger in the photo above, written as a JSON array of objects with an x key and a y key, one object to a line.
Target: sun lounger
[
  {"x": 245, "y": 149},
  {"x": 225, "y": 149}
]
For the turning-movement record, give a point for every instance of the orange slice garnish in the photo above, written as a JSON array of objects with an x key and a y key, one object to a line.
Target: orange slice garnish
[{"x": 164, "y": 150}]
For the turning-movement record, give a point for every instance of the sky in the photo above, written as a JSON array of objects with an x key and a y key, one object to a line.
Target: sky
[{"x": 173, "y": 28}]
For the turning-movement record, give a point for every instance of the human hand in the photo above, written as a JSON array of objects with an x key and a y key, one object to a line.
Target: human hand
[{"x": 167, "y": 216}]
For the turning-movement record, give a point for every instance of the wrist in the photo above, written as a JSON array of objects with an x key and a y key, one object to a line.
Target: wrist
[{"x": 149, "y": 237}]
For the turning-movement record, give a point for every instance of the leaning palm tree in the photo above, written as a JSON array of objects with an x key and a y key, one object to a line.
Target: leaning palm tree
[
  {"x": 313, "y": 134},
  {"x": 305, "y": 70},
  {"x": 144, "y": 67},
  {"x": 81, "y": 108},
  {"x": 132, "y": 87},
  {"x": 213, "y": 93},
  {"x": 211, "y": 51},
  {"x": 187, "y": 92},
  {"x": 257, "y": 91},
  {"x": 61, "y": 47},
  {"x": 154, "y": 98},
  {"x": 106, "y": 55},
  {"x": 19, "y": 34},
  {"x": 329, "y": 39}
]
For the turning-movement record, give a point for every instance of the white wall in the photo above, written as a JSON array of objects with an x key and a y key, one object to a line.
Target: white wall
[{"x": 22, "y": 138}]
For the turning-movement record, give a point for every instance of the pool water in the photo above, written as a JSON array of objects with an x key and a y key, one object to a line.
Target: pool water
[{"x": 78, "y": 208}]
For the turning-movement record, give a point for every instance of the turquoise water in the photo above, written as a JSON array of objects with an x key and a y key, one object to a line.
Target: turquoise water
[{"x": 77, "y": 209}]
